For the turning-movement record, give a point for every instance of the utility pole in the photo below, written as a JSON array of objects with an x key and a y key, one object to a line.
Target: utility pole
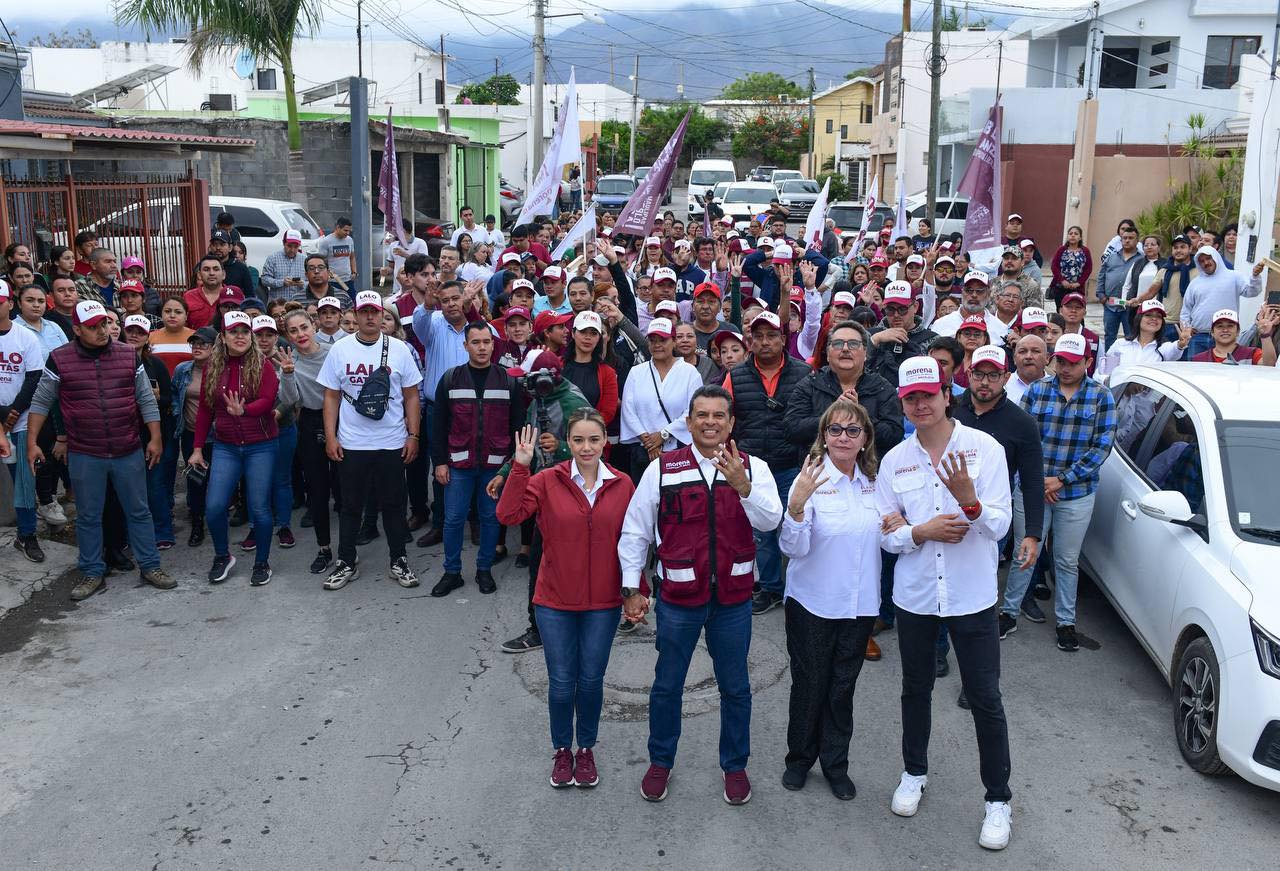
[
  {"x": 539, "y": 76},
  {"x": 935, "y": 99},
  {"x": 359, "y": 39},
  {"x": 444, "y": 90},
  {"x": 611, "y": 64},
  {"x": 635, "y": 118},
  {"x": 361, "y": 189},
  {"x": 906, "y": 17},
  {"x": 812, "y": 173},
  {"x": 496, "y": 61}
]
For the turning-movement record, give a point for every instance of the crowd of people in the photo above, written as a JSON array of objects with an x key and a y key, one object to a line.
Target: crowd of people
[{"x": 712, "y": 421}]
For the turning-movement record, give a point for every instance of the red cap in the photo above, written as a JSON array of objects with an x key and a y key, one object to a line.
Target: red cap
[
  {"x": 230, "y": 294},
  {"x": 973, "y": 322},
  {"x": 131, "y": 285},
  {"x": 1072, "y": 297},
  {"x": 545, "y": 320},
  {"x": 517, "y": 311},
  {"x": 706, "y": 287},
  {"x": 879, "y": 259}
]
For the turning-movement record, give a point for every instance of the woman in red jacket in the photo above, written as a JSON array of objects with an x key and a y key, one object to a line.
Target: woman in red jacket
[
  {"x": 236, "y": 401},
  {"x": 580, "y": 504}
]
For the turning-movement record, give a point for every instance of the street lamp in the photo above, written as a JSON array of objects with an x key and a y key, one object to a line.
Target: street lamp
[{"x": 540, "y": 67}]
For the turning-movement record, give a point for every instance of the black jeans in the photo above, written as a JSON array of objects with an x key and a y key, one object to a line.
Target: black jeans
[
  {"x": 977, "y": 643},
  {"x": 535, "y": 560},
  {"x": 318, "y": 470},
  {"x": 362, "y": 472},
  {"x": 420, "y": 472},
  {"x": 826, "y": 657},
  {"x": 52, "y": 470}
]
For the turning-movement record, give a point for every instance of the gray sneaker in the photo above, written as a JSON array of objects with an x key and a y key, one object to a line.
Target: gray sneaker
[
  {"x": 88, "y": 585},
  {"x": 158, "y": 578}
]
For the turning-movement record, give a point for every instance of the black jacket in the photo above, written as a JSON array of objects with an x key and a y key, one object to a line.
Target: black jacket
[
  {"x": 884, "y": 360},
  {"x": 758, "y": 426},
  {"x": 1019, "y": 435},
  {"x": 816, "y": 392}
]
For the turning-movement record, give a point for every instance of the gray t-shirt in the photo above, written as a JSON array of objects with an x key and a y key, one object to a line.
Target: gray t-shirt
[{"x": 337, "y": 252}]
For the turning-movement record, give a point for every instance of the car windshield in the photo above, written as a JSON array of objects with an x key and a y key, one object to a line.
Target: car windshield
[
  {"x": 1251, "y": 459},
  {"x": 800, "y": 187},
  {"x": 780, "y": 174},
  {"x": 616, "y": 186},
  {"x": 302, "y": 222},
  {"x": 747, "y": 195},
  {"x": 707, "y": 178},
  {"x": 721, "y": 188},
  {"x": 641, "y": 172}
]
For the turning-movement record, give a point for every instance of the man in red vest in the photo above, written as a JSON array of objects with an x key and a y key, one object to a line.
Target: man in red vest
[{"x": 699, "y": 506}]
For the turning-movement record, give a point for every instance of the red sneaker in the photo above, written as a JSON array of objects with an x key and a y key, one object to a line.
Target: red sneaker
[
  {"x": 654, "y": 785},
  {"x": 249, "y": 543},
  {"x": 562, "y": 769},
  {"x": 737, "y": 789},
  {"x": 584, "y": 768}
]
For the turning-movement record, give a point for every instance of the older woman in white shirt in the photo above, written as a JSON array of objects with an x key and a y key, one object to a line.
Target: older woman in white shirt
[
  {"x": 1145, "y": 346},
  {"x": 656, "y": 398},
  {"x": 831, "y": 534}
]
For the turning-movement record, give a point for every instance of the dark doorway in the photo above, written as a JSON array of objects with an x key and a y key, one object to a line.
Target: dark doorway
[{"x": 1119, "y": 68}]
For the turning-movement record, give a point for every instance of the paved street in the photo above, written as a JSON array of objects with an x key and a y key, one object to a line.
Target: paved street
[{"x": 287, "y": 727}]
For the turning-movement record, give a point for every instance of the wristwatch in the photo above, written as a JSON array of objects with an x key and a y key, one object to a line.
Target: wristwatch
[
  {"x": 665, "y": 433},
  {"x": 628, "y": 592}
]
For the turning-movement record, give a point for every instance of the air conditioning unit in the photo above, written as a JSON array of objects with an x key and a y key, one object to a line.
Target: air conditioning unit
[{"x": 220, "y": 102}]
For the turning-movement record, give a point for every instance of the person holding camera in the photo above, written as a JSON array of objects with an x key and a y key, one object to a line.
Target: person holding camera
[
  {"x": 478, "y": 407},
  {"x": 551, "y": 399},
  {"x": 371, "y": 426}
]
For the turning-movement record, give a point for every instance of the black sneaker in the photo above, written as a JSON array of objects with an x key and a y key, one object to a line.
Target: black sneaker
[
  {"x": 366, "y": 535},
  {"x": 324, "y": 559},
  {"x": 962, "y": 701},
  {"x": 261, "y": 575},
  {"x": 1067, "y": 639},
  {"x": 1031, "y": 610},
  {"x": 522, "y": 561},
  {"x": 1042, "y": 592},
  {"x": 763, "y": 602},
  {"x": 239, "y": 517},
  {"x": 402, "y": 574},
  {"x": 196, "y": 538},
  {"x": 485, "y": 582},
  {"x": 448, "y": 582},
  {"x": 29, "y": 547},
  {"x": 222, "y": 566},
  {"x": 306, "y": 522},
  {"x": 1008, "y": 625},
  {"x": 626, "y": 627},
  {"x": 118, "y": 560},
  {"x": 530, "y": 640},
  {"x": 341, "y": 575}
]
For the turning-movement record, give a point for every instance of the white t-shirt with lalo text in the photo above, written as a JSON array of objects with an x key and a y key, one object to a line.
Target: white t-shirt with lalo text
[
  {"x": 349, "y": 364},
  {"x": 20, "y": 353}
]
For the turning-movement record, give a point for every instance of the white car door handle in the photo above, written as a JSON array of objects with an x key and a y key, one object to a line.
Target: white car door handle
[{"x": 1129, "y": 507}]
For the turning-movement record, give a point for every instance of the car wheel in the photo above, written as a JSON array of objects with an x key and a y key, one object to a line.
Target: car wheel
[{"x": 1197, "y": 697}]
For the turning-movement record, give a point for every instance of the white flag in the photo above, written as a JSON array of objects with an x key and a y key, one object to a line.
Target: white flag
[
  {"x": 816, "y": 222},
  {"x": 585, "y": 228},
  {"x": 900, "y": 227},
  {"x": 868, "y": 208},
  {"x": 565, "y": 147}
]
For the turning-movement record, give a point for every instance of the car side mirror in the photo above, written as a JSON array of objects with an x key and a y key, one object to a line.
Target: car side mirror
[{"x": 1172, "y": 506}]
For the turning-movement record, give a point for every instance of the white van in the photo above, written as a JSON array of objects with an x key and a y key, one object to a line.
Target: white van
[{"x": 704, "y": 175}]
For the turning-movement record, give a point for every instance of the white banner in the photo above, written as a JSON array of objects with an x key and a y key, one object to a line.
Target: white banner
[
  {"x": 565, "y": 147},
  {"x": 585, "y": 228},
  {"x": 868, "y": 208},
  {"x": 816, "y": 223}
]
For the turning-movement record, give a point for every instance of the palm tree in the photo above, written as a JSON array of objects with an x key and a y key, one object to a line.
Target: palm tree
[{"x": 266, "y": 28}]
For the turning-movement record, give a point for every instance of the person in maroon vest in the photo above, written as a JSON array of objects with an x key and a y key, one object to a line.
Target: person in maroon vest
[
  {"x": 699, "y": 505},
  {"x": 478, "y": 407},
  {"x": 84, "y": 379}
]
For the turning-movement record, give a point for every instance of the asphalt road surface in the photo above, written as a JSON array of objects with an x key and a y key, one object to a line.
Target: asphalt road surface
[{"x": 287, "y": 727}]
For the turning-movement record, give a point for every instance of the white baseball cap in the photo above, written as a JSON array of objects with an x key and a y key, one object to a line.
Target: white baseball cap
[
  {"x": 765, "y": 242},
  {"x": 510, "y": 257},
  {"x": 726, "y": 221},
  {"x": 1035, "y": 317},
  {"x": 1225, "y": 314},
  {"x": 977, "y": 275},
  {"x": 667, "y": 305},
  {"x": 919, "y": 374},
  {"x": 265, "y": 322},
  {"x": 552, "y": 273},
  {"x": 898, "y": 291},
  {"x": 88, "y": 312},
  {"x": 652, "y": 242},
  {"x": 140, "y": 321},
  {"x": 1014, "y": 216},
  {"x": 588, "y": 320},
  {"x": 915, "y": 259},
  {"x": 993, "y": 354},
  {"x": 368, "y": 299},
  {"x": 521, "y": 282},
  {"x": 236, "y": 319},
  {"x": 844, "y": 297},
  {"x": 767, "y": 318},
  {"x": 782, "y": 251},
  {"x": 1071, "y": 346},
  {"x": 1026, "y": 243},
  {"x": 1151, "y": 305},
  {"x": 5, "y": 293},
  {"x": 683, "y": 243},
  {"x": 664, "y": 274},
  {"x": 292, "y": 236},
  {"x": 328, "y": 302},
  {"x": 659, "y": 327},
  {"x": 944, "y": 259}
]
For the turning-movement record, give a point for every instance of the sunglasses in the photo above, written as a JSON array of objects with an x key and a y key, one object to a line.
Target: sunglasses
[{"x": 852, "y": 430}]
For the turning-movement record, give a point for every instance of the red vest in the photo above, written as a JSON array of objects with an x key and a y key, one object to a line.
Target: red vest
[
  {"x": 96, "y": 396},
  {"x": 479, "y": 427},
  {"x": 707, "y": 542}
]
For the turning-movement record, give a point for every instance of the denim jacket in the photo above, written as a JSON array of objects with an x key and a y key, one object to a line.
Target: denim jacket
[{"x": 181, "y": 378}]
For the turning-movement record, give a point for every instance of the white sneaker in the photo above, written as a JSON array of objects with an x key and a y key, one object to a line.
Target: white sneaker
[
  {"x": 997, "y": 826},
  {"x": 341, "y": 575},
  {"x": 402, "y": 574},
  {"x": 52, "y": 514},
  {"x": 906, "y": 798}
]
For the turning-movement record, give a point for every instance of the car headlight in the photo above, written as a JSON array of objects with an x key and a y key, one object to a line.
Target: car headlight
[
  {"x": 786, "y": 202},
  {"x": 1268, "y": 650}
]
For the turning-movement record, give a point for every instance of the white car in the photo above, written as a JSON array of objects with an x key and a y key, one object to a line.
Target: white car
[
  {"x": 1185, "y": 541},
  {"x": 745, "y": 199},
  {"x": 778, "y": 176},
  {"x": 705, "y": 174},
  {"x": 949, "y": 213}
]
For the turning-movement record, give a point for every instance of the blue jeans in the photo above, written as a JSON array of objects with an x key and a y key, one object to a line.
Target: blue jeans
[
  {"x": 282, "y": 487},
  {"x": 728, "y": 630},
  {"x": 1199, "y": 343},
  {"x": 576, "y": 645},
  {"x": 256, "y": 463},
  {"x": 1113, "y": 323},
  {"x": 464, "y": 484},
  {"x": 160, "y": 484},
  {"x": 437, "y": 489},
  {"x": 575, "y": 200},
  {"x": 127, "y": 475},
  {"x": 1069, "y": 520},
  {"x": 768, "y": 556}
]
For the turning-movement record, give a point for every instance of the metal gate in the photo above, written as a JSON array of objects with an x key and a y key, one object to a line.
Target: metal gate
[{"x": 162, "y": 219}]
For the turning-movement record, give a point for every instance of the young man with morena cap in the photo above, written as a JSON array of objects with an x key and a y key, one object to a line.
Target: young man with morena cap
[
  {"x": 1076, "y": 417},
  {"x": 975, "y": 296},
  {"x": 944, "y": 496}
]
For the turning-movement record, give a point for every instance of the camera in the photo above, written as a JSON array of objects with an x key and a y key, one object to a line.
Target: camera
[{"x": 540, "y": 382}]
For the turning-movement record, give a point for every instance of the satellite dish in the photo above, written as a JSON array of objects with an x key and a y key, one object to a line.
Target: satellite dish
[{"x": 245, "y": 64}]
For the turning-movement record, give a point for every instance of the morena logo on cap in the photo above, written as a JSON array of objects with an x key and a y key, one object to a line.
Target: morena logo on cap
[
  {"x": 919, "y": 374},
  {"x": 659, "y": 327},
  {"x": 993, "y": 354},
  {"x": 1071, "y": 346}
]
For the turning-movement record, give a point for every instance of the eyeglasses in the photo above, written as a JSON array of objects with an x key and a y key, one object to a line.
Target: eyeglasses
[
  {"x": 851, "y": 430},
  {"x": 317, "y": 267},
  {"x": 839, "y": 344},
  {"x": 985, "y": 374}
]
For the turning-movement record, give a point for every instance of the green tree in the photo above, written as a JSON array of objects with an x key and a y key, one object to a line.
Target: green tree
[
  {"x": 265, "y": 28},
  {"x": 761, "y": 86},
  {"x": 658, "y": 123},
  {"x": 66, "y": 39},
  {"x": 839, "y": 190},
  {"x": 1211, "y": 195},
  {"x": 615, "y": 139},
  {"x": 860, "y": 71},
  {"x": 772, "y": 139},
  {"x": 502, "y": 90}
]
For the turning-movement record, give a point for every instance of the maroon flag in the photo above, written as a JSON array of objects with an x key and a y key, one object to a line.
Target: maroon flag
[
  {"x": 981, "y": 184},
  {"x": 389, "y": 188},
  {"x": 636, "y": 217}
]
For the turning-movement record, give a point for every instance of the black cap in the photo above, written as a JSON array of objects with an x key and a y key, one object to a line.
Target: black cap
[
  {"x": 220, "y": 236},
  {"x": 204, "y": 334},
  {"x": 1181, "y": 238}
]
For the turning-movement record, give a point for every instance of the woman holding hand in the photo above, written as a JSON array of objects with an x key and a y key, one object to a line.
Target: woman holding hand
[{"x": 580, "y": 505}]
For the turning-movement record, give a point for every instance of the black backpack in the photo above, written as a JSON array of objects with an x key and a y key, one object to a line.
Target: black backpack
[{"x": 376, "y": 390}]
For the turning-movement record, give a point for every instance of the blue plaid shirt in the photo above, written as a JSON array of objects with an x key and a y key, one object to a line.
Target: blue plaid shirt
[{"x": 1077, "y": 433}]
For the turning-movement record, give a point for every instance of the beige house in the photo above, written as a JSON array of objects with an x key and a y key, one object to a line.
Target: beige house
[{"x": 842, "y": 131}]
